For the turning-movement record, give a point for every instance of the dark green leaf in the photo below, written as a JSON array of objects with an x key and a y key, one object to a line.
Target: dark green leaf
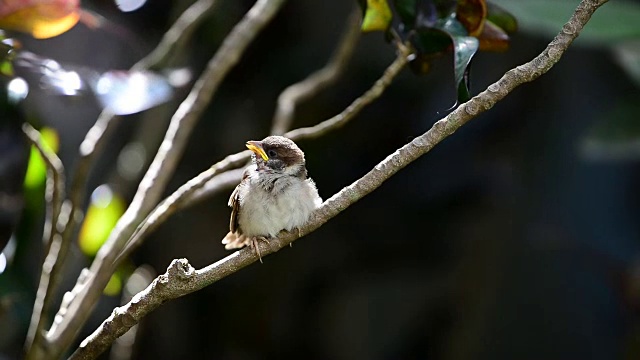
[
  {"x": 406, "y": 9},
  {"x": 501, "y": 18},
  {"x": 431, "y": 41},
  {"x": 452, "y": 26}
]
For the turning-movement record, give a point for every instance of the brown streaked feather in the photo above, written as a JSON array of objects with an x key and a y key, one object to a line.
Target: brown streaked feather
[{"x": 234, "y": 203}]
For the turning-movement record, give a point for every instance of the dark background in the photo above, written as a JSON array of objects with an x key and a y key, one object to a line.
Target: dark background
[{"x": 507, "y": 241}]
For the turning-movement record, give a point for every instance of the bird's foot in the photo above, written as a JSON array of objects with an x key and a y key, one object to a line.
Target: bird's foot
[
  {"x": 299, "y": 236},
  {"x": 253, "y": 243}
]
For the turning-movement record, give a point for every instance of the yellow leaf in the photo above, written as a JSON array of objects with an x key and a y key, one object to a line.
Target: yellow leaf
[
  {"x": 39, "y": 18},
  {"x": 377, "y": 17},
  {"x": 104, "y": 211},
  {"x": 114, "y": 285},
  {"x": 36, "y": 169}
]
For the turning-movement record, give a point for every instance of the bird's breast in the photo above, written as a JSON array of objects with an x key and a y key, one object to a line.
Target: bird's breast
[{"x": 284, "y": 206}]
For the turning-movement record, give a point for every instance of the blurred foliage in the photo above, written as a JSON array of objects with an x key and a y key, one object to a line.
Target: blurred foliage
[
  {"x": 37, "y": 169},
  {"x": 14, "y": 155},
  {"x": 40, "y": 18},
  {"x": 114, "y": 286},
  {"x": 105, "y": 209},
  {"x": 435, "y": 27},
  {"x": 614, "y": 22},
  {"x": 377, "y": 16}
]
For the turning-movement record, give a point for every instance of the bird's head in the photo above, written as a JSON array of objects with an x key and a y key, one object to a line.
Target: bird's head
[{"x": 277, "y": 154}]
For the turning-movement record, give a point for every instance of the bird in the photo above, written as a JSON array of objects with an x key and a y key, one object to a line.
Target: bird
[{"x": 275, "y": 194}]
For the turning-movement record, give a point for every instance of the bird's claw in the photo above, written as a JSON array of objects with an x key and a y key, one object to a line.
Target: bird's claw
[{"x": 254, "y": 245}]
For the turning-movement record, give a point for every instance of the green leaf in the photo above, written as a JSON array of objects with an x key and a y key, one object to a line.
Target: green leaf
[
  {"x": 104, "y": 211},
  {"x": 615, "y": 21},
  {"x": 114, "y": 286},
  {"x": 377, "y": 16},
  {"x": 37, "y": 169},
  {"x": 407, "y": 11},
  {"x": 452, "y": 26},
  {"x": 6, "y": 68},
  {"x": 464, "y": 47},
  {"x": 501, "y": 18},
  {"x": 431, "y": 41}
]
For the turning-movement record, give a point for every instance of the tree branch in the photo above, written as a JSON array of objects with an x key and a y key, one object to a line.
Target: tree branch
[
  {"x": 54, "y": 195},
  {"x": 87, "y": 291},
  {"x": 319, "y": 80},
  {"x": 89, "y": 149},
  {"x": 181, "y": 278},
  {"x": 173, "y": 40},
  {"x": 186, "y": 194}
]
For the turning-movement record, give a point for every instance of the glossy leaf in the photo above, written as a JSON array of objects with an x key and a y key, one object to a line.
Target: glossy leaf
[
  {"x": 431, "y": 42},
  {"x": 452, "y": 26},
  {"x": 105, "y": 209},
  {"x": 493, "y": 38},
  {"x": 40, "y": 18},
  {"x": 465, "y": 47},
  {"x": 37, "y": 169},
  {"x": 377, "y": 17},
  {"x": 501, "y": 18}
]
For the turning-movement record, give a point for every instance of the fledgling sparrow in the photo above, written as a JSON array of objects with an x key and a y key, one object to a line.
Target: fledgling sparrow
[{"x": 275, "y": 194}]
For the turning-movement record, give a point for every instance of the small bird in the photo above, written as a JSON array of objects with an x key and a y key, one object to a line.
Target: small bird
[{"x": 275, "y": 194}]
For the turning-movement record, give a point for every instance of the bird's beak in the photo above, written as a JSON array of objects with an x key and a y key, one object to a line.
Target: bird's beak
[{"x": 256, "y": 147}]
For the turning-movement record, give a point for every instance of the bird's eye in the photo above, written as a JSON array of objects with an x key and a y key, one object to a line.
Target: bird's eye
[{"x": 272, "y": 153}]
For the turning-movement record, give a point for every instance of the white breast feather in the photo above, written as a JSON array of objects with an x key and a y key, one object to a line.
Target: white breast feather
[{"x": 263, "y": 214}]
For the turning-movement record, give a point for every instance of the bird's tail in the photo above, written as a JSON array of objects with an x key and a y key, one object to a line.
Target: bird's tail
[{"x": 233, "y": 240}]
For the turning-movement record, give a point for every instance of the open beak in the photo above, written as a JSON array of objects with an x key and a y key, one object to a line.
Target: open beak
[{"x": 256, "y": 147}]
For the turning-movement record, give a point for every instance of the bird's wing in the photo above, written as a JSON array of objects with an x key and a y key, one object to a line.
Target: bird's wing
[{"x": 234, "y": 203}]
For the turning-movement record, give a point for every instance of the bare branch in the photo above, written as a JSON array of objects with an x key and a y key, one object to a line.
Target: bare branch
[
  {"x": 319, "y": 80},
  {"x": 96, "y": 138},
  {"x": 367, "y": 98},
  {"x": 181, "y": 278},
  {"x": 190, "y": 192},
  {"x": 54, "y": 196},
  {"x": 86, "y": 293}
]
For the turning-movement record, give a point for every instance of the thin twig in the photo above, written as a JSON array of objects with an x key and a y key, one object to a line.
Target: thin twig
[
  {"x": 319, "y": 80},
  {"x": 184, "y": 196},
  {"x": 181, "y": 278},
  {"x": 85, "y": 294},
  {"x": 54, "y": 196},
  {"x": 355, "y": 107},
  {"x": 173, "y": 40}
]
